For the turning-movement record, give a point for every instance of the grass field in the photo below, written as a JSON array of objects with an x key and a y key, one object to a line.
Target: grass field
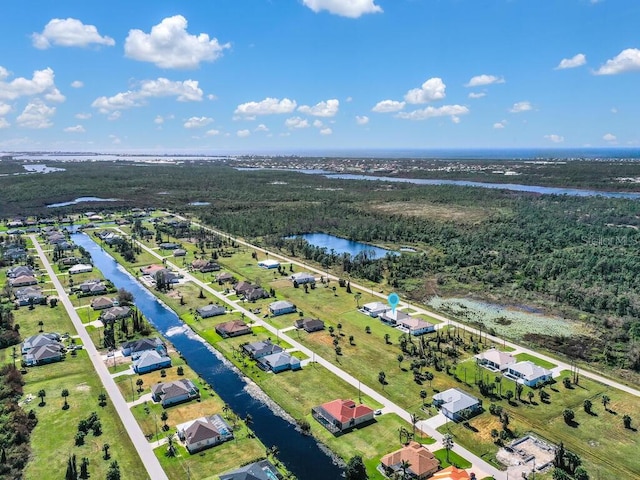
[{"x": 522, "y": 357}]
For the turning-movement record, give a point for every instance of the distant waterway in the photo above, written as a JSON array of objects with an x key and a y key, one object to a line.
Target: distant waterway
[
  {"x": 81, "y": 200},
  {"x": 342, "y": 245},
  {"x": 302, "y": 455}
]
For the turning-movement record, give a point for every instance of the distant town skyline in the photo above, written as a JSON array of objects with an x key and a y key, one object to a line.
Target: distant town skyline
[{"x": 252, "y": 75}]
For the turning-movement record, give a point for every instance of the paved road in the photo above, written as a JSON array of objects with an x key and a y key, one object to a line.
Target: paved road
[
  {"x": 142, "y": 446},
  {"x": 420, "y": 310},
  {"x": 481, "y": 468}
]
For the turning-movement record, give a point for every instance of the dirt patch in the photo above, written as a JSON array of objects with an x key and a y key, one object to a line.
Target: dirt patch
[
  {"x": 525, "y": 455},
  {"x": 83, "y": 387},
  {"x": 173, "y": 294}
]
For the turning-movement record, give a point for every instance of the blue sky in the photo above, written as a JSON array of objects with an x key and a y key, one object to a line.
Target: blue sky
[{"x": 269, "y": 75}]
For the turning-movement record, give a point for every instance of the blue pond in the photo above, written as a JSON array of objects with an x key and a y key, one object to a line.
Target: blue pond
[
  {"x": 301, "y": 454},
  {"x": 81, "y": 200},
  {"x": 342, "y": 245}
]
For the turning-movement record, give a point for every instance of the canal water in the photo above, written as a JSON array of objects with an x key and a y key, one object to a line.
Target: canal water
[{"x": 301, "y": 454}]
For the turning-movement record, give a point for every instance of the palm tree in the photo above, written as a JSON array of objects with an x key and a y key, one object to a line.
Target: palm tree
[
  {"x": 498, "y": 382},
  {"x": 339, "y": 328},
  {"x": 105, "y": 449},
  {"x": 42, "y": 394},
  {"x": 41, "y": 324},
  {"x": 139, "y": 383},
  {"x": 102, "y": 399},
  {"x": 509, "y": 395},
  {"x": 400, "y": 359},
  {"x": 447, "y": 443},
  {"x": 386, "y": 338},
  {"x": 171, "y": 448},
  {"x": 423, "y": 396},
  {"x": 605, "y": 402},
  {"x": 429, "y": 377},
  {"x": 568, "y": 415},
  {"x": 414, "y": 420},
  {"x": 530, "y": 395},
  {"x": 357, "y": 296},
  {"x": 164, "y": 417},
  {"x": 351, "y": 339},
  {"x": 404, "y": 466},
  {"x": 382, "y": 378},
  {"x": 587, "y": 405},
  {"x": 627, "y": 421},
  {"x": 65, "y": 394}
]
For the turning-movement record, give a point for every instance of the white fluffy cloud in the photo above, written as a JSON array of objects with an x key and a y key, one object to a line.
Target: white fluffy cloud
[
  {"x": 626, "y": 61},
  {"x": 77, "y": 84},
  {"x": 326, "y": 131},
  {"x": 344, "y": 8},
  {"x": 386, "y": 106},
  {"x": 186, "y": 91},
  {"x": 42, "y": 82},
  {"x": 610, "y": 137},
  {"x": 432, "y": 89},
  {"x": 170, "y": 46},
  {"x": 54, "y": 95},
  {"x": 500, "y": 125},
  {"x": 296, "y": 122},
  {"x": 482, "y": 80},
  {"x": 573, "y": 62},
  {"x": 83, "y": 116},
  {"x": 453, "y": 111},
  {"x": 362, "y": 120},
  {"x": 69, "y": 32},
  {"x": 554, "y": 138},
  {"x": 212, "y": 133},
  {"x": 4, "y": 123},
  {"x": 477, "y": 94},
  {"x": 243, "y": 133},
  {"x": 197, "y": 122},
  {"x": 36, "y": 115},
  {"x": 521, "y": 107},
  {"x": 318, "y": 124},
  {"x": 268, "y": 106},
  {"x": 261, "y": 128},
  {"x": 75, "y": 129},
  {"x": 321, "y": 109},
  {"x": 4, "y": 109}
]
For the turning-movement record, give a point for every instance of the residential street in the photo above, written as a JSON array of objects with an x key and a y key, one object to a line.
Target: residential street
[{"x": 142, "y": 446}]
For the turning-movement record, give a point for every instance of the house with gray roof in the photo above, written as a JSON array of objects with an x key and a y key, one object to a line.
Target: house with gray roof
[
  {"x": 279, "y": 362},
  {"x": 135, "y": 347},
  {"x": 30, "y": 295},
  {"x": 20, "y": 271},
  {"x": 53, "y": 352},
  {"x": 261, "y": 349},
  {"x": 528, "y": 373},
  {"x": 262, "y": 470},
  {"x": 112, "y": 314},
  {"x": 302, "y": 277},
  {"x": 101, "y": 303},
  {"x": 309, "y": 324},
  {"x": 23, "y": 281},
  {"x": 281, "y": 307},
  {"x": 211, "y": 310},
  {"x": 40, "y": 340},
  {"x": 149, "y": 361},
  {"x": 456, "y": 404},
  {"x": 204, "y": 432},
  {"x": 172, "y": 393}
]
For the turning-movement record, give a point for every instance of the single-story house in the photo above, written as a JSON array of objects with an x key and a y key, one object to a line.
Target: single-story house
[
  {"x": 101, "y": 303},
  {"x": 279, "y": 362},
  {"x": 151, "y": 269},
  {"x": 96, "y": 218},
  {"x": 16, "y": 231},
  {"x": 456, "y": 404},
  {"x": 528, "y": 373},
  {"x": 64, "y": 245},
  {"x": 309, "y": 324},
  {"x": 115, "y": 313},
  {"x": 23, "y": 281},
  {"x": 374, "y": 309},
  {"x": 339, "y": 415},
  {"x": 68, "y": 261},
  {"x": 167, "y": 276},
  {"x": 149, "y": 361},
  {"x": 80, "y": 268},
  {"x": 20, "y": 271},
  {"x": 168, "y": 246},
  {"x": 422, "y": 463},
  {"x": 205, "y": 266},
  {"x": 14, "y": 253},
  {"x": 28, "y": 295},
  {"x": 53, "y": 352},
  {"x": 211, "y": 310},
  {"x": 453, "y": 473},
  {"x": 262, "y": 470},
  {"x": 179, "y": 252},
  {"x": 261, "y": 349},
  {"x": 242, "y": 288},
  {"x": 302, "y": 277},
  {"x": 204, "y": 432},
  {"x": 93, "y": 287},
  {"x": 495, "y": 360},
  {"x": 233, "y": 328},
  {"x": 393, "y": 317},
  {"x": 256, "y": 294},
  {"x": 40, "y": 340},
  {"x": 224, "y": 277},
  {"x": 281, "y": 307},
  {"x": 136, "y": 347},
  {"x": 415, "y": 326},
  {"x": 171, "y": 393},
  {"x": 269, "y": 263},
  {"x": 56, "y": 237}
]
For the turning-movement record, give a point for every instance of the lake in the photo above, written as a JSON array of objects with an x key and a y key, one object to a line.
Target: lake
[
  {"x": 81, "y": 200},
  {"x": 342, "y": 245},
  {"x": 301, "y": 454}
]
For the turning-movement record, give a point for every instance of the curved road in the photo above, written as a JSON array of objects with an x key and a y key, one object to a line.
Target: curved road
[{"x": 142, "y": 446}]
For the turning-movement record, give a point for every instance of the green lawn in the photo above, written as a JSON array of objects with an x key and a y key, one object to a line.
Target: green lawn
[
  {"x": 523, "y": 357},
  {"x": 454, "y": 459}
]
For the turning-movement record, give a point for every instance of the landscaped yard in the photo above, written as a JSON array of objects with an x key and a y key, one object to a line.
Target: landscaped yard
[{"x": 522, "y": 357}]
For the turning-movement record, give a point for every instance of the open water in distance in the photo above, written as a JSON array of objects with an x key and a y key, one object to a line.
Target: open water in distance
[
  {"x": 342, "y": 245},
  {"x": 301, "y": 454},
  {"x": 81, "y": 200}
]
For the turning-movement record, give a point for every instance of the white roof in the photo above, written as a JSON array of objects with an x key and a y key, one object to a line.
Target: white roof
[
  {"x": 376, "y": 307},
  {"x": 455, "y": 400},
  {"x": 496, "y": 356},
  {"x": 413, "y": 323},
  {"x": 298, "y": 275},
  {"x": 280, "y": 304},
  {"x": 529, "y": 370},
  {"x": 268, "y": 262},
  {"x": 81, "y": 267}
]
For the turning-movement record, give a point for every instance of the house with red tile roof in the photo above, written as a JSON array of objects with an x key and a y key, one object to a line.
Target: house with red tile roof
[
  {"x": 339, "y": 416},
  {"x": 421, "y": 462}
]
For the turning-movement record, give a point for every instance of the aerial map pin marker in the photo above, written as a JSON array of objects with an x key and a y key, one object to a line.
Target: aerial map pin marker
[{"x": 393, "y": 300}]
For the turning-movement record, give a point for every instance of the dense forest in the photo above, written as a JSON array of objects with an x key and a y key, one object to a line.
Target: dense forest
[{"x": 577, "y": 256}]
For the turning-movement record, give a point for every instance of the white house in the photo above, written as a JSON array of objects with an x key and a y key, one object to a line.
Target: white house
[
  {"x": 453, "y": 403},
  {"x": 495, "y": 360},
  {"x": 302, "y": 277},
  {"x": 80, "y": 268},
  {"x": 268, "y": 263},
  {"x": 415, "y": 326},
  {"x": 528, "y": 373},
  {"x": 374, "y": 309}
]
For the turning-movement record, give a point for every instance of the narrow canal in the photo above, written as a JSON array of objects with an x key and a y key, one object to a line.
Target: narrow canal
[{"x": 301, "y": 454}]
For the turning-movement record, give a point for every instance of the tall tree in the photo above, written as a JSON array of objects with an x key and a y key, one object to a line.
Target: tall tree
[
  {"x": 65, "y": 394},
  {"x": 355, "y": 469}
]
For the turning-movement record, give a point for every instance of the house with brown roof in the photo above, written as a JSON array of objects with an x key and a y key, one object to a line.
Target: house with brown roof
[
  {"x": 205, "y": 266},
  {"x": 112, "y": 314},
  {"x": 233, "y": 328},
  {"x": 23, "y": 281},
  {"x": 172, "y": 393},
  {"x": 151, "y": 269},
  {"x": 453, "y": 473},
  {"x": 224, "y": 277},
  {"x": 309, "y": 324},
  {"x": 204, "y": 432},
  {"x": 101, "y": 303},
  {"x": 421, "y": 462},
  {"x": 340, "y": 416}
]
